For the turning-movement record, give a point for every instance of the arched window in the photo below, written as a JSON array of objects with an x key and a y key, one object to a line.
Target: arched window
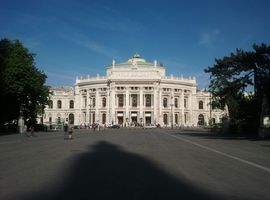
[
  {"x": 59, "y": 104},
  {"x": 103, "y": 102},
  {"x": 165, "y": 102},
  {"x": 50, "y": 104},
  {"x": 71, "y": 104},
  {"x": 201, "y": 120},
  {"x": 103, "y": 118},
  {"x": 165, "y": 119},
  {"x": 176, "y": 102},
  {"x": 71, "y": 118},
  {"x": 213, "y": 120},
  {"x": 200, "y": 104}
]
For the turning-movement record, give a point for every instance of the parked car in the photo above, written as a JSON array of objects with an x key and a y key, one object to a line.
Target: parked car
[
  {"x": 149, "y": 126},
  {"x": 114, "y": 126}
]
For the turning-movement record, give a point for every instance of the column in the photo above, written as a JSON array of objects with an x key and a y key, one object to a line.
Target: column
[
  {"x": 141, "y": 103},
  {"x": 171, "y": 109},
  {"x": 160, "y": 107},
  {"x": 108, "y": 105},
  {"x": 127, "y": 104},
  {"x": 182, "y": 108},
  {"x": 112, "y": 117},
  {"x": 98, "y": 105},
  {"x": 155, "y": 110},
  {"x": 87, "y": 107}
]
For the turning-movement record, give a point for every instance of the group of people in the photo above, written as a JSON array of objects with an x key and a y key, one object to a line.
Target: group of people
[
  {"x": 29, "y": 131},
  {"x": 68, "y": 130}
]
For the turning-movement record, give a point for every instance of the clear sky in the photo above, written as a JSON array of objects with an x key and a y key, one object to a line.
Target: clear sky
[{"x": 81, "y": 37}]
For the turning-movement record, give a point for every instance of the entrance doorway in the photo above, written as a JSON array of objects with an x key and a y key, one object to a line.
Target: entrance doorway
[
  {"x": 147, "y": 117},
  {"x": 134, "y": 119},
  {"x": 120, "y": 120},
  {"x": 71, "y": 118},
  {"x": 148, "y": 120}
]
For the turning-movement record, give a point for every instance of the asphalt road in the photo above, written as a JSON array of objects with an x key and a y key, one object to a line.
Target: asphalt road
[{"x": 134, "y": 164}]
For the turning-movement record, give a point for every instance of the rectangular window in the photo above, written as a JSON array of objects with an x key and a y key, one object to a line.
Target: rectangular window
[
  {"x": 84, "y": 101},
  {"x": 176, "y": 102},
  {"x": 120, "y": 100},
  {"x": 134, "y": 100},
  {"x": 185, "y": 103},
  {"x": 148, "y": 100}
]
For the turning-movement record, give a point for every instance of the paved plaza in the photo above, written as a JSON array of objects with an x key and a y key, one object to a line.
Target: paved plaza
[{"x": 134, "y": 164}]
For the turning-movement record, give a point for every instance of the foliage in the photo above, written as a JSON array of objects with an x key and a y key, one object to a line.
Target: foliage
[
  {"x": 22, "y": 84},
  {"x": 232, "y": 75}
]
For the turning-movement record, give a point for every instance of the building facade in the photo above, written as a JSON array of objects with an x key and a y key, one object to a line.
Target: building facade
[{"x": 133, "y": 92}]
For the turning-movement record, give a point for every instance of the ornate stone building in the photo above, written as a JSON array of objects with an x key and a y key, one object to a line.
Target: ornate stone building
[{"x": 133, "y": 92}]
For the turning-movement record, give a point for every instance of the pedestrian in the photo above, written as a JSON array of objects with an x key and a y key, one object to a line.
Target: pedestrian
[
  {"x": 65, "y": 131},
  {"x": 94, "y": 126},
  {"x": 32, "y": 129},
  {"x": 70, "y": 131},
  {"x": 25, "y": 130}
]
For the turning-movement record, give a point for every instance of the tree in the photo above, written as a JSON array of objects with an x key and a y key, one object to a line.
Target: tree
[
  {"x": 22, "y": 84},
  {"x": 232, "y": 75}
]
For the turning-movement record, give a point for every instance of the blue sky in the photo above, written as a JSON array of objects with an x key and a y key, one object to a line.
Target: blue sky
[{"x": 80, "y": 37}]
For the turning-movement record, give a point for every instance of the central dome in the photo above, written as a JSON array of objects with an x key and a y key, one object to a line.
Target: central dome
[{"x": 136, "y": 59}]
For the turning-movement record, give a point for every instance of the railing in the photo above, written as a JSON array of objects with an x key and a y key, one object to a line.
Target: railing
[
  {"x": 90, "y": 78},
  {"x": 172, "y": 77}
]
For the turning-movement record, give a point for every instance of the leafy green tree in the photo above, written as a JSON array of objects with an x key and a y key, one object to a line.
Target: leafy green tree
[
  {"x": 22, "y": 84},
  {"x": 232, "y": 75}
]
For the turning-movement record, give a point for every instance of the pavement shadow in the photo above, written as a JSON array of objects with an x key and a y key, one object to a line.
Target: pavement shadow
[{"x": 109, "y": 172}]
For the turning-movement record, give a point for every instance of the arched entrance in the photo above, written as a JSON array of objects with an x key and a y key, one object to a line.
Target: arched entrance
[
  {"x": 201, "y": 120},
  {"x": 103, "y": 118},
  {"x": 165, "y": 119},
  {"x": 71, "y": 118}
]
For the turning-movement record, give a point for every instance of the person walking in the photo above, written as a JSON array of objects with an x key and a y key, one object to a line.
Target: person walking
[
  {"x": 32, "y": 130},
  {"x": 65, "y": 131},
  {"x": 94, "y": 126},
  {"x": 70, "y": 131}
]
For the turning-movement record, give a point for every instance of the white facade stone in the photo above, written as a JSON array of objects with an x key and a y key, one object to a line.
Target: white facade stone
[{"x": 134, "y": 92}]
